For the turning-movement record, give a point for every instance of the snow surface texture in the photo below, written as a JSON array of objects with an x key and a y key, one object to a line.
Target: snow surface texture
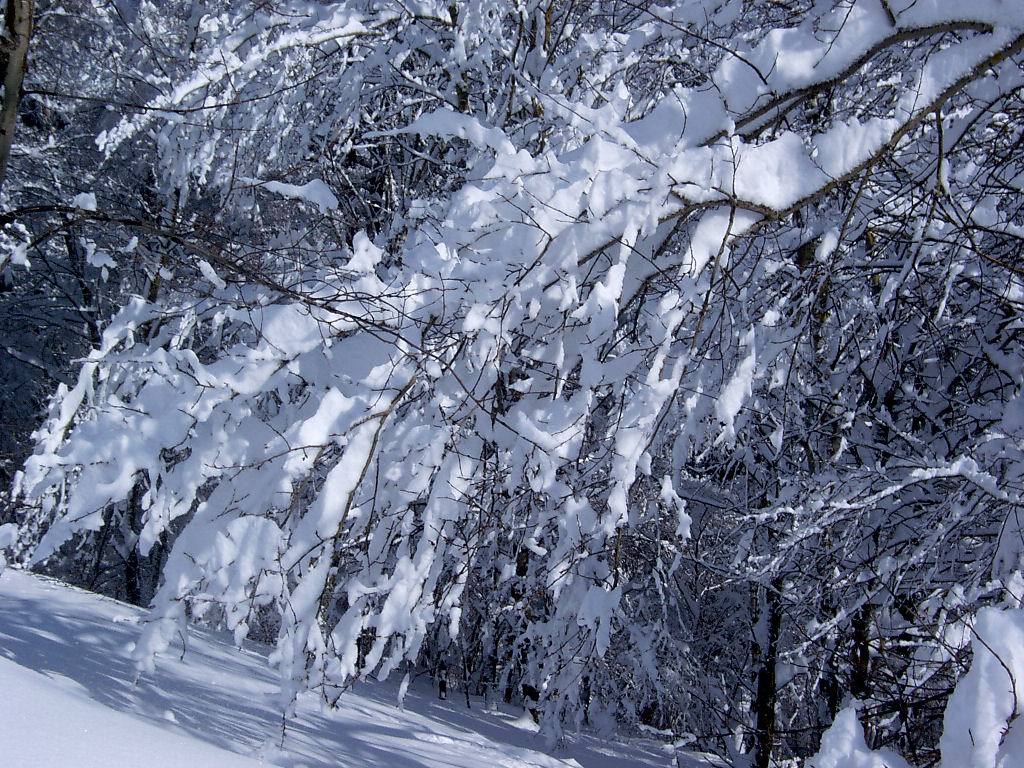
[{"x": 71, "y": 699}]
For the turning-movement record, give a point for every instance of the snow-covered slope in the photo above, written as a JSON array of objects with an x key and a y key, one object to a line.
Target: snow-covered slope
[{"x": 69, "y": 697}]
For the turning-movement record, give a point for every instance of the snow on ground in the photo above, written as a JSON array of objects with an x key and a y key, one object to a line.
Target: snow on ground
[{"x": 70, "y": 698}]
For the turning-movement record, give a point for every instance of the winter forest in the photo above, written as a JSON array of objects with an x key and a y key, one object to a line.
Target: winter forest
[{"x": 654, "y": 364}]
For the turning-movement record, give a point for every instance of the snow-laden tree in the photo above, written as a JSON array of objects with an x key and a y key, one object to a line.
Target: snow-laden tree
[
  {"x": 980, "y": 723},
  {"x": 63, "y": 269},
  {"x": 662, "y": 361},
  {"x": 53, "y": 292}
]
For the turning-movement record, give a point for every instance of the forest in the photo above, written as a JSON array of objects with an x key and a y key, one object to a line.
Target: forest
[{"x": 655, "y": 364}]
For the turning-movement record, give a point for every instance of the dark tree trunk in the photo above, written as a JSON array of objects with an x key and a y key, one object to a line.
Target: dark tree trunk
[
  {"x": 861, "y": 653},
  {"x": 132, "y": 569},
  {"x": 766, "y": 640},
  {"x": 17, "y": 31}
]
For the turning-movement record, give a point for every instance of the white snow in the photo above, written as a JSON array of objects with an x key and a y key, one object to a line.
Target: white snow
[
  {"x": 71, "y": 698},
  {"x": 843, "y": 746},
  {"x": 444, "y": 122},
  {"x": 49, "y": 719},
  {"x": 981, "y": 728},
  {"x": 315, "y": 192},
  {"x": 85, "y": 201},
  {"x": 211, "y": 275},
  {"x": 365, "y": 255},
  {"x": 737, "y": 391}
]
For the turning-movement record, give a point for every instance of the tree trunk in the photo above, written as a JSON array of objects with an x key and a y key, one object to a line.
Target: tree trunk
[
  {"x": 132, "y": 585},
  {"x": 17, "y": 30},
  {"x": 860, "y": 674},
  {"x": 132, "y": 566},
  {"x": 767, "y": 648}
]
